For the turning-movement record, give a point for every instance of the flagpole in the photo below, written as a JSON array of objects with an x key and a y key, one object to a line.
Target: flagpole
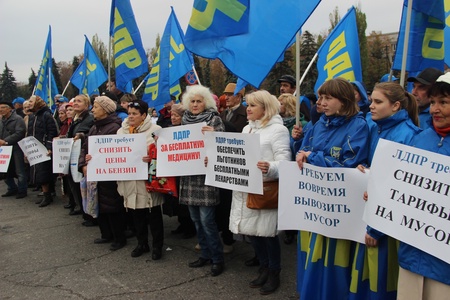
[
  {"x": 67, "y": 85},
  {"x": 406, "y": 42},
  {"x": 109, "y": 63},
  {"x": 196, "y": 75},
  {"x": 49, "y": 91},
  {"x": 309, "y": 67},
  {"x": 297, "y": 77},
  {"x": 139, "y": 86}
]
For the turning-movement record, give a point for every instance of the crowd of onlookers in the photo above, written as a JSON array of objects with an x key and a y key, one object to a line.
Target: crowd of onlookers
[{"x": 340, "y": 127}]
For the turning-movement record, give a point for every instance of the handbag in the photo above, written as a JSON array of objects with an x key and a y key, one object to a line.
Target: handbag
[
  {"x": 269, "y": 198},
  {"x": 164, "y": 185}
]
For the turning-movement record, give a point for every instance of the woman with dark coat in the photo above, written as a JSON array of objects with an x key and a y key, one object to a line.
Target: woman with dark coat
[
  {"x": 43, "y": 127},
  {"x": 81, "y": 124},
  {"x": 111, "y": 217}
]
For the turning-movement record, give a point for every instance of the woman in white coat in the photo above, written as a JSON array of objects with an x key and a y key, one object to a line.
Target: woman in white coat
[
  {"x": 261, "y": 224},
  {"x": 136, "y": 198}
]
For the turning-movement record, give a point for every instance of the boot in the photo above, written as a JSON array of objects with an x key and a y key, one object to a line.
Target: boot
[
  {"x": 47, "y": 199},
  {"x": 272, "y": 283},
  {"x": 262, "y": 278}
]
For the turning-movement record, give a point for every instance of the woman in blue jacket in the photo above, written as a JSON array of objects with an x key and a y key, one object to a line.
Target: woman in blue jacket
[
  {"x": 423, "y": 276},
  {"x": 338, "y": 139},
  {"x": 393, "y": 116}
]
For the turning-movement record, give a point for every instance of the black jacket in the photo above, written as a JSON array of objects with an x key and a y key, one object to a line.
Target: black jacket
[{"x": 109, "y": 200}]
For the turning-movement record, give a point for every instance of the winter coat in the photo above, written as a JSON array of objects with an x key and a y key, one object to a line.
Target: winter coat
[
  {"x": 43, "y": 127},
  {"x": 397, "y": 128},
  {"x": 364, "y": 103},
  {"x": 193, "y": 190},
  {"x": 238, "y": 119},
  {"x": 337, "y": 142},
  {"x": 134, "y": 192},
  {"x": 409, "y": 257},
  {"x": 82, "y": 124},
  {"x": 425, "y": 120},
  {"x": 274, "y": 140},
  {"x": 109, "y": 200},
  {"x": 12, "y": 130}
]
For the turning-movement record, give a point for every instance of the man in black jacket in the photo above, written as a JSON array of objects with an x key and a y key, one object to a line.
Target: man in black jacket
[{"x": 12, "y": 130}]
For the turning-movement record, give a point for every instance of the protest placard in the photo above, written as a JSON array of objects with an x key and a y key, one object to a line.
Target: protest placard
[
  {"x": 117, "y": 157},
  {"x": 5, "y": 158},
  {"x": 328, "y": 201},
  {"x": 33, "y": 150},
  {"x": 409, "y": 192},
  {"x": 181, "y": 150},
  {"x": 74, "y": 156},
  {"x": 61, "y": 150},
  {"x": 232, "y": 159}
]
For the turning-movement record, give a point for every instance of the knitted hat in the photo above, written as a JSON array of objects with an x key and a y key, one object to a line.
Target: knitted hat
[
  {"x": 178, "y": 108},
  {"x": 108, "y": 105}
]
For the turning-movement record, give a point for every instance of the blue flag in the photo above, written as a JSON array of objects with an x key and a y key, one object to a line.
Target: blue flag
[
  {"x": 223, "y": 18},
  {"x": 251, "y": 56},
  {"x": 91, "y": 71},
  {"x": 426, "y": 37},
  {"x": 172, "y": 62},
  {"x": 129, "y": 55},
  {"x": 42, "y": 87},
  {"x": 339, "y": 55}
]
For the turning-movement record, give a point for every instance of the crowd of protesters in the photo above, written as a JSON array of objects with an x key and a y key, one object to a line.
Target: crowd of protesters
[{"x": 339, "y": 128}]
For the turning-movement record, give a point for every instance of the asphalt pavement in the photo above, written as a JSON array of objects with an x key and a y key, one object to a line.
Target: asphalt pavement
[{"x": 47, "y": 254}]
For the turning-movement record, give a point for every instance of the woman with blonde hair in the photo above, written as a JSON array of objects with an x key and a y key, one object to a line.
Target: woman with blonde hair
[
  {"x": 82, "y": 122},
  {"x": 261, "y": 224}
]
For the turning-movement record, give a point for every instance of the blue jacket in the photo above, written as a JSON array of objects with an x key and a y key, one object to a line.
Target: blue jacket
[
  {"x": 337, "y": 142},
  {"x": 411, "y": 258},
  {"x": 397, "y": 128},
  {"x": 364, "y": 103},
  {"x": 425, "y": 120}
]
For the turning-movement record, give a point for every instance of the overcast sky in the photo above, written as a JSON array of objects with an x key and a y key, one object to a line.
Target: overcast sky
[{"x": 24, "y": 25}]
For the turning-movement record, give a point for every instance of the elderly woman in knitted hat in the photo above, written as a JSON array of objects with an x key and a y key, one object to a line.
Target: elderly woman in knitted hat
[
  {"x": 111, "y": 213},
  {"x": 42, "y": 126}
]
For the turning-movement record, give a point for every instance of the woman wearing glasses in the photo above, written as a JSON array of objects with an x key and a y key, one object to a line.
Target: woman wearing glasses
[
  {"x": 201, "y": 199},
  {"x": 136, "y": 198}
]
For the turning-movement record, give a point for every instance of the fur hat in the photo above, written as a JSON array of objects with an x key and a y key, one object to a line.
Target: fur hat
[{"x": 108, "y": 105}]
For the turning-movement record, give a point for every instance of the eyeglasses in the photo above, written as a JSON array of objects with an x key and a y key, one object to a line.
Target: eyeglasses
[{"x": 134, "y": 104}]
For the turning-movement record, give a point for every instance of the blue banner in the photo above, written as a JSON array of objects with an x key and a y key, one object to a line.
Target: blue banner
[
  {"x": 93, "y": 74},
  {"x": 339, "y": 55},
  {"x": 129, "y": 54},
  {"x": 171, "y": 62},
  {"x": 251, "y": 56},
  {"x": 218, "y": 18},
  {"x": 42, "y": 87},
  {"x": 426, "y": 39}
]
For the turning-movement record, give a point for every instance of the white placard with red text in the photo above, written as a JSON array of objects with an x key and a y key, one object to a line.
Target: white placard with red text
[
  {"x": 117, "y": 157},
  {"x": 5, "y": 158},
  {"x": 181, "y": 150}
]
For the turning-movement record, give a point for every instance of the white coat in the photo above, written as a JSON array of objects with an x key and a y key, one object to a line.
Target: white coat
[
  {"x": 274, "y": 140},
  {"x": 134, "y": 192}
]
